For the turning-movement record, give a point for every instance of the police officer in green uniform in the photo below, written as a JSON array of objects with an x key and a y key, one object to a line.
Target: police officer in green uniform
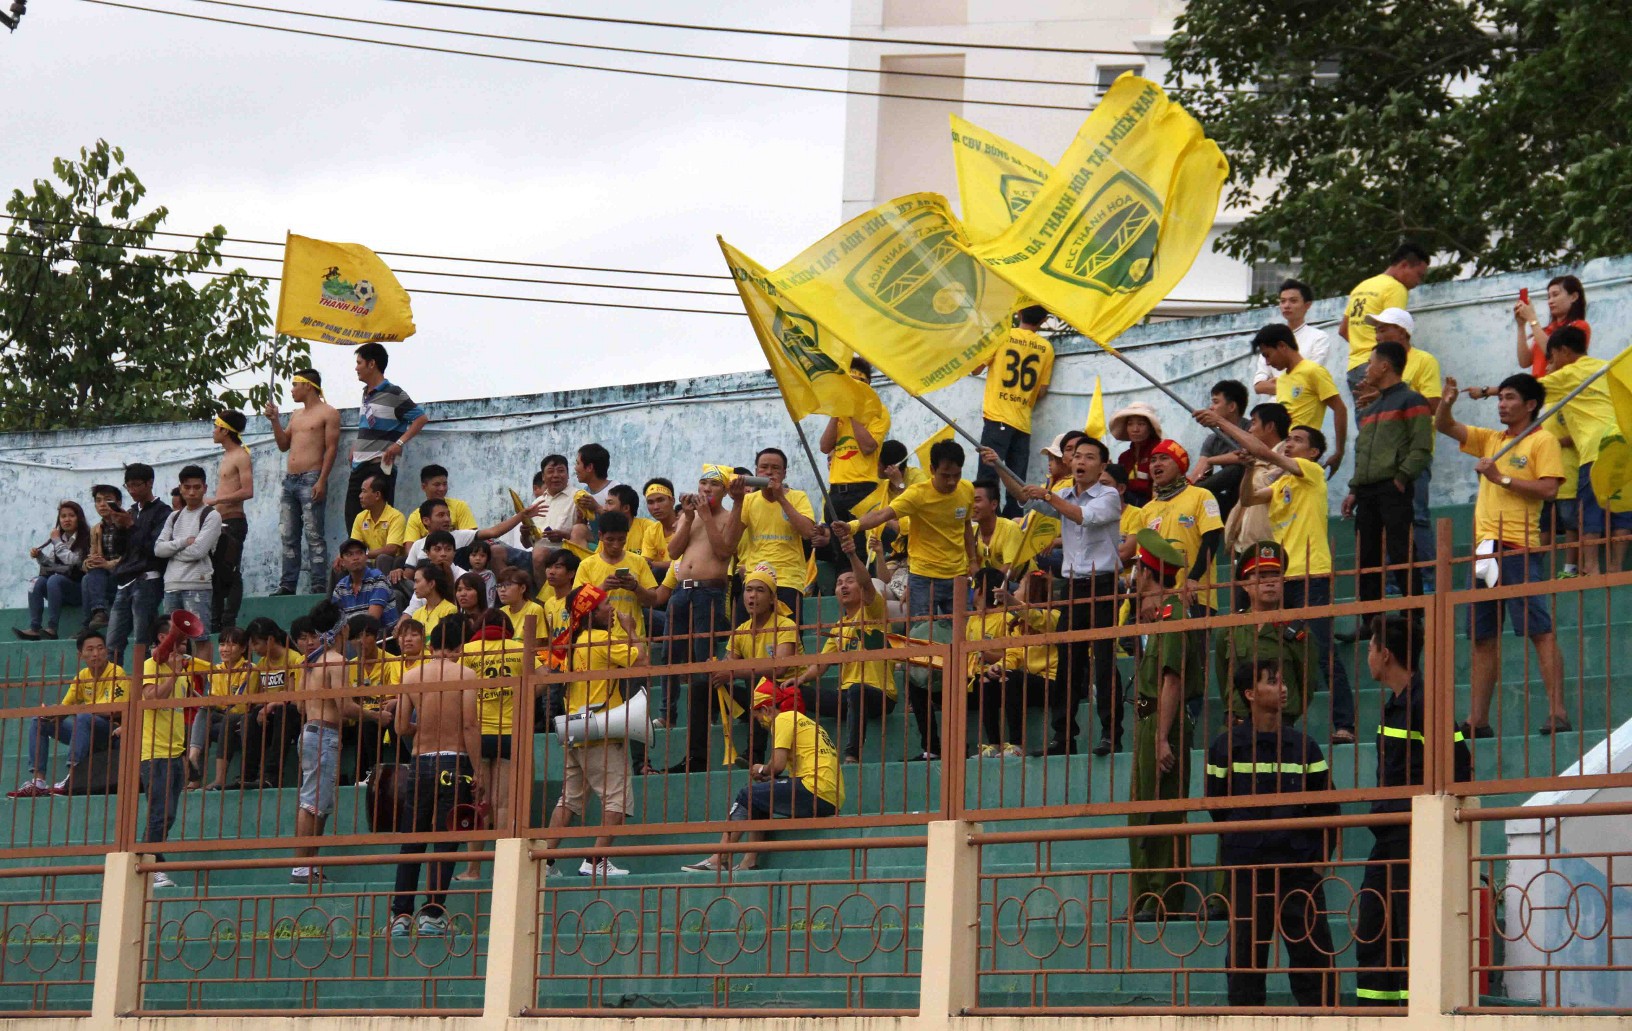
[
  {"x": 1258, "y": 569},
  {"x": 1172, "y": 670}
]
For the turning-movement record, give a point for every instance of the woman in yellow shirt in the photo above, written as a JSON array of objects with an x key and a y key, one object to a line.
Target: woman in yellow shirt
[
  {"x": 231, "y": 676},
  {"x": 433, "y": 596},
  {"x": 517, "y": 607},
  {"x": 1013, "y": 678}
]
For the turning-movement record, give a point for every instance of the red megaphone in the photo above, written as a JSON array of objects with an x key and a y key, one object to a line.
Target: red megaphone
[{"x": 183, "y": 625}]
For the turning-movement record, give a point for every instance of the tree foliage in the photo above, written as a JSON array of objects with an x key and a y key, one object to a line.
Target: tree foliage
[
  {"x": 97, "y": 329},
  {"x": 1497, "y": 133}
]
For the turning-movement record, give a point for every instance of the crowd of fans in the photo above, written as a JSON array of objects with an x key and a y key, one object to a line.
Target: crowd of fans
[{"x": 725, "y": 567}]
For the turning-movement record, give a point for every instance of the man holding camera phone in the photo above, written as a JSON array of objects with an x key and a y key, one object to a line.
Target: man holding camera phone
[{"x": 698, "y": 621}]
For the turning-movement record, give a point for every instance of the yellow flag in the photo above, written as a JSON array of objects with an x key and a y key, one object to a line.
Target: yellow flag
[
  {"x": 874, "y": 500},
  {"x": 1612, "y": 472},
  {"x": 1095, "y": 426},
  {"x": 922, "y": 452},
  {"x": 340, "y": 293},
  {"x": 997, "y": 179},
  {"x": 1037, "y": 532},
  {"x": 898, "y": 285},
  {"x": 811, "y": 365},
  {"x": 1122, "y": 217}
]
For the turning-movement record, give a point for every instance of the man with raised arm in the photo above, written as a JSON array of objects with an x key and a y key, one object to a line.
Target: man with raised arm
[
  {"x": 310, "y": 440},
  {"x": 234, "y": 485}
]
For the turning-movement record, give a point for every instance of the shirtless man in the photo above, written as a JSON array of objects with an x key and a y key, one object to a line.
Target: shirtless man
[
  {"x": 320, "y": 747},
  {"x": 446, "y": 730},
  {"x": 311, "y": 440},
  {"x": 234, "y": 485},
  {"x": 697, "y": 610}
]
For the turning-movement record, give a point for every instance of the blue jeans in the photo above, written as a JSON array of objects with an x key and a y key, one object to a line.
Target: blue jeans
[
  {"x": 163, "y": 781},
  {"x": 297, "y": 514},
  {"x": 82, "y": 732},
  {"x": 787, "y": 797},
  {"x": 135, "y": 606},
  {"x": 925, "y": 593},
  {"x": 50, "y": 593},
  {"x": 1317, "y": 590},
  {"x": 196, "y": 602},
  {"x": 697, "y": 625},
  {"x": 96, "y": 591},
  {"x": 1013, "y": 449},
  {"x": 1422, "y": 528}
]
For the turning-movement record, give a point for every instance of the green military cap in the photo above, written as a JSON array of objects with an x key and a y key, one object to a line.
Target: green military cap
[
  {"x": 1264, "y": 555},
  {"x": 1159, "y": 553}
]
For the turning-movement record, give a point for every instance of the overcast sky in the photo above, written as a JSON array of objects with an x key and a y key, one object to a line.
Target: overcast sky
[{"x": 264, "y": 132}]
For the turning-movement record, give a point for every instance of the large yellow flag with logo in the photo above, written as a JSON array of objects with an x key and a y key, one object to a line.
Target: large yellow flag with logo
[
  {"x": 1121, "y": 218},
  {"x": 340, "y": 293},
  {"x": 899, "y": 286},
  {"x": 811, "y": 365},
  {"x": 997, "y": 179}
]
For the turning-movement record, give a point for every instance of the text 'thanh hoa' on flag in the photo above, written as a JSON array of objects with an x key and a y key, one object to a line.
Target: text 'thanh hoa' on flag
[
  {"x": 1122, "y": 217},
  {"x": 899, "y": 285},
  {"x": 997, "y": 179},
  {"x": 810, "y": 363},
  {"x": 340, "y": 293}
]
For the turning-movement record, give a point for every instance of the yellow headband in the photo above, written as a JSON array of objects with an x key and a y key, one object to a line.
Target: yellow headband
[
  {"x": 659, "y": 490},
  {"x": 309, "y": 383},
  {"x": 765, "y": 574},
  {"x": 224, "y": 424},
  {"x": 722, "y": 473}
]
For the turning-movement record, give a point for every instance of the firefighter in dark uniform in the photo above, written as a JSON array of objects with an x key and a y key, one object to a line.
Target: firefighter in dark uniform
[
  {"x": 1274, "y": 876},
  {"x": 1258, "y": 570},
  {"x": 1172, "y": 670},
  {"x": 1385, "y": 899}
]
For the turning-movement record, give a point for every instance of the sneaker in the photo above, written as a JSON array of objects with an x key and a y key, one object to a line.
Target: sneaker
[
  {"x": 33, "y": 789},
  {"x": 98, "y": 620},
  {"x": 701, "y": 866},
  {"x": 60, "y": 787},
  {"x": 1567, "y": 573},
  {"x": 1104, "y": 747},
  {"x": 162, "y": 880},
  {"x": 1013, "y": 750},
  {"x": 990, "y": 751},
  {"x": 282, "y": 592},
  {"x": 401, "y": 925},
  {"x": 431, "y": 926},
  {"x": 601, "y": 868},
  {"x": 301, "y": 875}
]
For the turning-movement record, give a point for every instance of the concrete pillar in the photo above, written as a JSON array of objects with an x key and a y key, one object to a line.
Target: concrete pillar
[
  {"x": 1441, "y": 905},
  {"x": 512, "y": 936},
  {"x": 116, "y": 989},
  {"x": 948, "y": 977}
]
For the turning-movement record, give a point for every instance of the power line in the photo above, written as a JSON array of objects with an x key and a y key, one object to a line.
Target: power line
[
  {"x": 516, "y": 59},
  {"x": 770, "y": 32}
]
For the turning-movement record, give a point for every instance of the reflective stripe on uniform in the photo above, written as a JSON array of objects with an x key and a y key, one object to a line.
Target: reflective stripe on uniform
[
  {"x": 1382, "y": 996},
  {"x": 1318, "y": 766},
  {"x": 1414, "y": 735}
]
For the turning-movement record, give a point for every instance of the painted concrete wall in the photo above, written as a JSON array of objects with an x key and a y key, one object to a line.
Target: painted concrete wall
[{"x": 670, "y": 428}]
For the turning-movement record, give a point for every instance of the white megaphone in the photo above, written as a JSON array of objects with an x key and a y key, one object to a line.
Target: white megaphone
[{"x": 627, "y": 722}]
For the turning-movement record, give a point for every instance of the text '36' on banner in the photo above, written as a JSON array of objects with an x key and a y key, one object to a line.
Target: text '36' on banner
[
  {"x": 340, "y": 293},
  {"x": 900, "y": 286}
]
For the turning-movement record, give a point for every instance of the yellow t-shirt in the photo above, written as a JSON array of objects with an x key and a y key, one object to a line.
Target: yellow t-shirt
[
  {"x": 389, "y": 528},
  {"x": 1370, "y": 298},
  {"x": 226, "y": 681},
  {"x": 88, "y": 689},
  {"x": 596, "y": 650},
  {"x": 1040, "y": 660},
  {"x": 280, "y": 676},
  {"x": 595, "y": 569},
  {"x": 1590, "y": 413},
  {"x": 640, "y": 538},
  {"x": 999, "y": 551},
  {"x": 492, "y": 660},
  {"x": 846, "y": 463},
  {"x": 1297, "y": 515},
  {"x": 429, "y": 617},
  {"x": 164, "y": 731},
  {"x": 463, "y": 519},
  {"x": 1502, "y": 514},
  {"x": 748, "y": 643},
  {"x": 384, "y": 671},
  {"x": 935, "y": 548},
  {"x": 518, "y": 620},
  {"x": 1304, "y": 389},
  {"x": 1567, "y": 491},
  {"x": 990, "y": 625},
  {"x": 655, "y": 546},
  {"x": 1184, "y": 520},
  {"x": 1422, "y": 374},
  {"x": 555, "y": 617},
  {"x": 1018, "y": 372},
  {"x": 811, "y": 755},
  {"x": 768, "y": 536},
  {"x": 1133, "y": 520},
  {"x": 864, "y": 631}
]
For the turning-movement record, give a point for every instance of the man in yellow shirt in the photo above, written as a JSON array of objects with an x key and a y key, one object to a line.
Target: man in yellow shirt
[
  {"x": 1388, "y": 289},
  {"x": 433, "y": 480},
  {"x": 942, "y": 543},
  {"x": 1186, "y": 516},
  {"x": 659, "y": 492},
  {"x": 274, "y": 726},
  {"x": 620, "y": 497},
  {"x": 997, "y": 538},
  {"x": 851, "y": 447},
  {"x": 625, "y": 576},
  {"x": 380, "y": 527},
  {"x": 1017, "y": 379},
  {"x": 1304, "y": 388},
  {"x": 99, "y": 682},
  {"x": 1507, "y": 524},
  {"x": 164, "y": 739},
  {"x": 771, "y": 525},
  {"x": 373, "y": 672}
]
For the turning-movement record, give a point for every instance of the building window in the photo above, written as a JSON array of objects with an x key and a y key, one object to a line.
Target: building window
[
  {"x": 1268, "y": 276},
  {"x": 1107, "y": 74}
]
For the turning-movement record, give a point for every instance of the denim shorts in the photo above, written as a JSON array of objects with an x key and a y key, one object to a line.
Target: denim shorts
[
  {"x": 319, "y": 768},
  {"x": 1529, "y": 614},
  {"x": 1593, "y": 516}
]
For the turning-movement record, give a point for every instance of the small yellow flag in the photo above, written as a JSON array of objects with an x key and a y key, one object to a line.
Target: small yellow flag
[
  {"x": 811, "y": 364},
  {"x": 997, "y": 179},
  {"x": 340, "y": 293},
  {"x": 1122, "y": 217},
  {"x": 1095, "y": 426},
  {"x": 922, "y": 451},
  {"x": 1612, "y": 472},
  {"x": 899, "y": 285},
  {"x": 1037, "y": 532}
]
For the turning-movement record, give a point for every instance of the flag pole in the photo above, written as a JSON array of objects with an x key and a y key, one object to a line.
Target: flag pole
[
  {"x": 815, "y": 469},
  {"x": 1543, "y": 416},
  {"x": 965, "y": 434},
  {"x": 1158, "y": 384}
]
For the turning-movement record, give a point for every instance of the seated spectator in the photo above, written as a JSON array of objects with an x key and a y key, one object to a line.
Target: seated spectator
[
  {"x": 594, "y": 468},
  {"x": 410, "y": 643},
  {"x": 268, "y": 735},
  {"x": 560, "y": 571},
  {"x": 363, "y": 589},
  {"x": 98, "y": 682},
  {"x": 801, "y": 781},
  {"x": 437, "y": 517},
  {"x": 325, "y": 670},
  {"x": 621, "y": 497},
  {"x": 372, "y": 670},
  {"x": 495, "y": 656},
  {"x": 514, "y": 586},
  {"x": 61, "y": 557},
  {"x": 480, "y": 560},
  {"x": 605, "y": 641},
  {"x": 437, "y": 549},
  {"x": 379, "y": 526},
  {"x": 433, "y": 599},
  {"x": 1028, "y": 675},
  {"x": 108, "y": 539},
  {"x": 470, "y": 597},
  {"x": 665, "y": 518},
  {"x": 559, "y": 519},
  {"x": 433, "y": 480},
  {"x": 164, "y": 734},
  {"x": 186, "y": 541},
  {"x": 233, "y": 676},
  {"x": 768, "y": 634}
]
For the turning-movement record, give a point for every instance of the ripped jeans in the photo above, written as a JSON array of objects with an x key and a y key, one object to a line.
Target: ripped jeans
[{"x": 297, "y": 513}]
